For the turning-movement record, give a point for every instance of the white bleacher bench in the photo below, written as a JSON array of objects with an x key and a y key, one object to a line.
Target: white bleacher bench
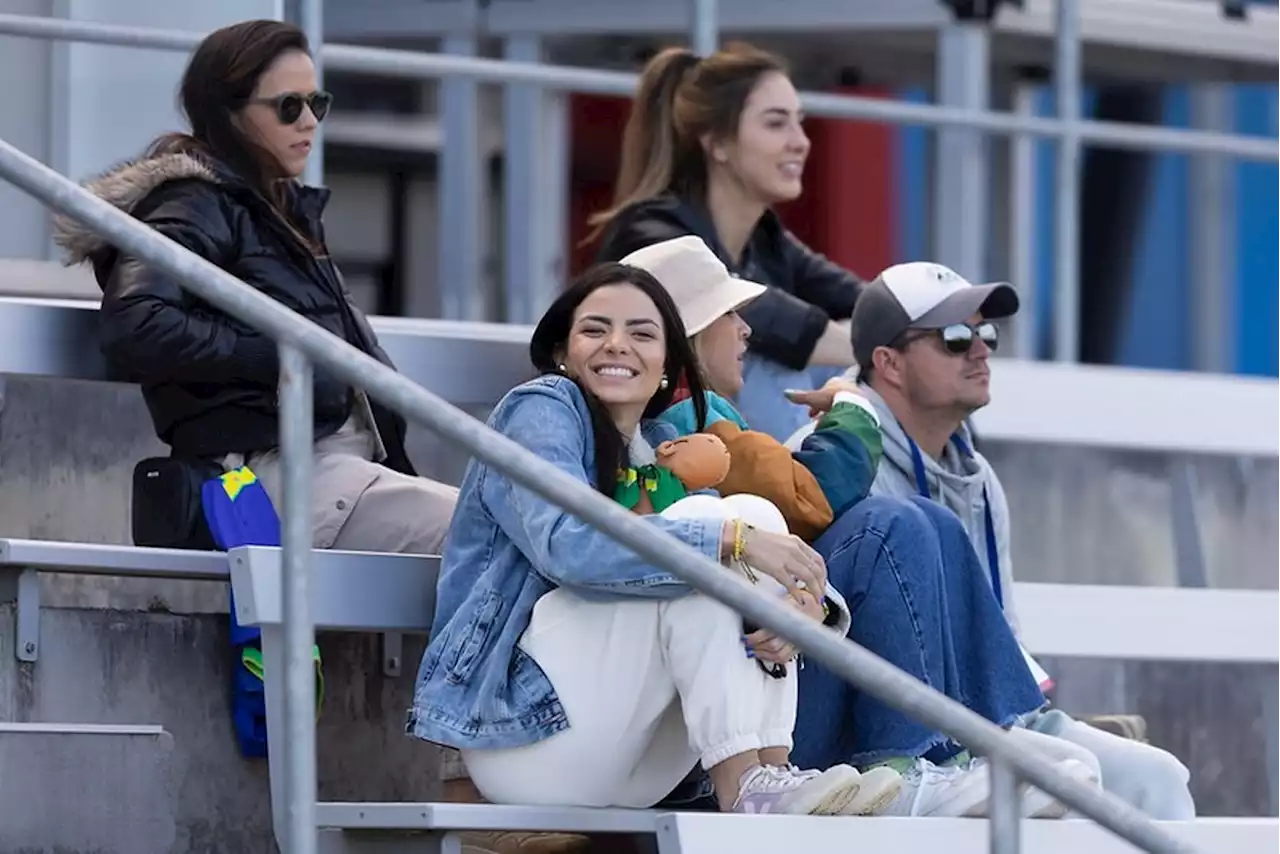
[
  {"x": 351, "y": 592},
  {"x": 369, "y": 828},
  {"x": 395, "y": 593},
  {"x": 1150, "y": 623},
  {"x": 22, "y": 560},
  {"x": 710, "y": 833}
]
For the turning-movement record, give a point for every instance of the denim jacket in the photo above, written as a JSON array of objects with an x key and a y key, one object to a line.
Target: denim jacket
[{"x": 476, "y": 689}]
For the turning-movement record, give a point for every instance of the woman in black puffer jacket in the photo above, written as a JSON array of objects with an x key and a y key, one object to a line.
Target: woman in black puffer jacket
[{"x": 228, "y": 192}]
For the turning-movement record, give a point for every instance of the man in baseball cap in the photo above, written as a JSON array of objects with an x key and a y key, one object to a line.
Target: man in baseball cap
[{"x": 923, "y": 337}]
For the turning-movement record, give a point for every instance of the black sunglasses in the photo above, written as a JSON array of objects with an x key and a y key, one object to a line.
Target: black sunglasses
[
  {"x": 289, "y": 106},
  {"x": 957, "y": 339}
]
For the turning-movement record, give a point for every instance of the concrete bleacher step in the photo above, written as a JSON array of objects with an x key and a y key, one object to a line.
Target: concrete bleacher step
[{"x": 81, "y": 788}]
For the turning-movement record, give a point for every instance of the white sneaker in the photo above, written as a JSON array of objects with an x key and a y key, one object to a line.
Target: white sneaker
[
  {"x": 1038, "y": 804},
  {"x": 942, "y": 790},
  {"x": 877, "y": 787},
  {"x": 766, "y": 789}
]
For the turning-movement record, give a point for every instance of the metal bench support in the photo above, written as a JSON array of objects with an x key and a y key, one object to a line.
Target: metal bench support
[
  {"x": 22, "y": 587},
  {"x": 392, "y": 653}
]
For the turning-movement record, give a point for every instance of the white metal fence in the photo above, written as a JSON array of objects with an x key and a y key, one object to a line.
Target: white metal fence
[{"x": 1068, "y": 130}]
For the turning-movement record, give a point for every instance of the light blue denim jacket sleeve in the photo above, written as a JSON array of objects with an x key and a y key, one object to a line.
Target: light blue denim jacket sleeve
[{"x": 549, "y": 420}]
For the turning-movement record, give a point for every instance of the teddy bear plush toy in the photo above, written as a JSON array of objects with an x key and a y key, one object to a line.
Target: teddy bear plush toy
[{"x": 689, "y": 464}]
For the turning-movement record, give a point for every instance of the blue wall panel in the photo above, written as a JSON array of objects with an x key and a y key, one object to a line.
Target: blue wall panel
[
  {"x": 1257, "y": 229},
  {"x": 1157, "y": 330},
  {"x": 913, "y": 185}
]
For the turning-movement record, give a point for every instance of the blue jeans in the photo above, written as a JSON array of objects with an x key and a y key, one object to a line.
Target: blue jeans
[
  {"x": 762, "y": 403},
  {"x": 920, "y": 599}
]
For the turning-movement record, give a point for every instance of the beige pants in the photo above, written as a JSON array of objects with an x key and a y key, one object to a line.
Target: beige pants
[{"x": 359, "y": 505}]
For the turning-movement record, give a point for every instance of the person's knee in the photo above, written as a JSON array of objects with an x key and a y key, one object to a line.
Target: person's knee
[
  {"x": 401, "y": 514},
  {"x": 751, "y": 509},
  {"x": 943, "y": 519},
  {"x": 881, "y": 514},
  {"x": 896, "y": 520},
  {"x": 757, "y": 512},
  {"x": 430, "y": 503}
]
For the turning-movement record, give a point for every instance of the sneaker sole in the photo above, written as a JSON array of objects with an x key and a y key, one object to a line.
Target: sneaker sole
[
  {"x": 878, "y": 788},
  {"x": 837, "y": 793}
]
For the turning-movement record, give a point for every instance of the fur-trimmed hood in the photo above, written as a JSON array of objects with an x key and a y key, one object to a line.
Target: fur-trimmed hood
[{"x": 124, "y": 186}]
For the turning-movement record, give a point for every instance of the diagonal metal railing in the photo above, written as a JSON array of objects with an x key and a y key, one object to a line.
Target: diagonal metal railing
[{"x": 302, "y": 343}]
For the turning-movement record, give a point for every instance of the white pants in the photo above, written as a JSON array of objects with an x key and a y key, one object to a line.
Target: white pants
[
  {"x": 1144, "y": 776},
  {"x": 650, "y": 687}
]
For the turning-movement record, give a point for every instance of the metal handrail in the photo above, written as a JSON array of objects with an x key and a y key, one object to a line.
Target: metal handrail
[
  {"x": 416, "y": 65},
  {"x": 301, "y": 340}
]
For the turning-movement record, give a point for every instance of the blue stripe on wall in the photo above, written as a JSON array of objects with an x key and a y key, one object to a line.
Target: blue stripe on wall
[
  {"x": 1157, "y": 333},
  {"x": 1045, "y": 222},
  {"x": 1157, "y": 330},
  {"x": 1257, "y": 228},
  {"x": 913, "y": 186}
]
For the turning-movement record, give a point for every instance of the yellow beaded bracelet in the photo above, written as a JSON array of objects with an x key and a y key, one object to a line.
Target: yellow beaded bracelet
[{"x": 740, "y": 529}]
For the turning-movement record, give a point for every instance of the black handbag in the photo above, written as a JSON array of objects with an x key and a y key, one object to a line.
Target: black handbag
[{"x": 167, "y": 509}]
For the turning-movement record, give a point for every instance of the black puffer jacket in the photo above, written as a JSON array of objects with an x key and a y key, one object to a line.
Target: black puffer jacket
[
  {"x": 209, "y": 380},
  {"x": 806, "y": 290}
]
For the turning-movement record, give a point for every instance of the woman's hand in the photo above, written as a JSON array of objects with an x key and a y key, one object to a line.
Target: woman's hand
[
  {"x": 788, "y": 559},
  {"x": 769, "y": 647},
  {"x": 810, "y": 606}
]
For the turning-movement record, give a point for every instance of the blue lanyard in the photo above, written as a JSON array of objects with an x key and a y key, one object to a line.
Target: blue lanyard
[{"x": 993, "y": 554}]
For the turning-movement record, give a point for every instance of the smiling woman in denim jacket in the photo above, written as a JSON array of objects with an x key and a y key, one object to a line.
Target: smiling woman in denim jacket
[{"x": 567, "y": 670}]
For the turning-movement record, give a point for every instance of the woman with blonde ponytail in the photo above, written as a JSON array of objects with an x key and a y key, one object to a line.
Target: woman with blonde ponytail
[{"x": 712, "y": 144}]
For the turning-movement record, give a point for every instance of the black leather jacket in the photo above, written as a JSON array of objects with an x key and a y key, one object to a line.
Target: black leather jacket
[
  {"x": 806, "y": 290},
  {"x": 210, "y": 381}
]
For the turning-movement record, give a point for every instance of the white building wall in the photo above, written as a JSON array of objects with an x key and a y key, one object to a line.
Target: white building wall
[{"x": 82, "y": 107}]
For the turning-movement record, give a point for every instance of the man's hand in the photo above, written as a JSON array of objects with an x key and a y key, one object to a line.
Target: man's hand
[{"x": 821, "y": 400}]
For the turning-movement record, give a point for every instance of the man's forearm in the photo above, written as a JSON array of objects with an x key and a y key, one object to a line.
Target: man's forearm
[{"x": 835, "y": 348}]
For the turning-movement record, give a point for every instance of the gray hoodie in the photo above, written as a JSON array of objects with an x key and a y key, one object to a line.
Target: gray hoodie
[{"x": 956, "y": 481}]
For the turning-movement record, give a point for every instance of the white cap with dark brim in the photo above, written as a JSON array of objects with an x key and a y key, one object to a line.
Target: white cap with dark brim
[{"x": 922, "y": 295}]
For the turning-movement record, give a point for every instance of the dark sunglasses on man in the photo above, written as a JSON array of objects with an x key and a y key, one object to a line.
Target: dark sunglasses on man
[
  {"x": 288, "y": 106},
  {"x": 957, "y": 338}
]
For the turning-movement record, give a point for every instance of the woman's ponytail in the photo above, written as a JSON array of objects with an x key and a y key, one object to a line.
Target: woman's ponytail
[{"x": 651, "y": 141}]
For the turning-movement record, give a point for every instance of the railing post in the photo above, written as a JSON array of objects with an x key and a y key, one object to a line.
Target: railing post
[
  {"x": 311, "y": 21},
  {"x": 961, "y": 198},
  {"x": 296, "y": 429},
  {"x": 704, "y": 30},
  {"x": 1022, "y": 223},
  {"x": 1005, "y": 810},
  {"x": 1066, "y": 244}
]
